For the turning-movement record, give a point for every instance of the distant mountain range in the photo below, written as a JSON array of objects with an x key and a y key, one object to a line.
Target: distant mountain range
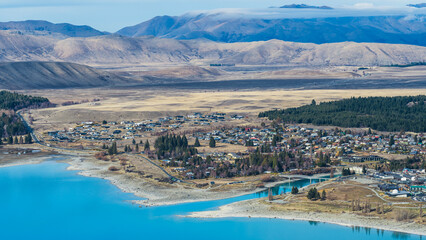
[
  {"x": 419, "y": 5},
  {"x": 305, "y": 6},
  {"x": 295, "y": 23},
  {"x": 40, "y": 54},
  {"x": 44, "y": 27},
  {"x": 222, "y": 28},
  {"x": 115, "y": 49}
]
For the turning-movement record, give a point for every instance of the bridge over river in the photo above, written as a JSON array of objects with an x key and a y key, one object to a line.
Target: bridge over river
[{"x": 296, "y": 176}]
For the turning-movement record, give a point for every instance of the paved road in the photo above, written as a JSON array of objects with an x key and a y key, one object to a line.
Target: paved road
[
  {"x": 36, "y": 139},
  {"x": 175, "y": 179},
  {"x": 30, "y": 130}
]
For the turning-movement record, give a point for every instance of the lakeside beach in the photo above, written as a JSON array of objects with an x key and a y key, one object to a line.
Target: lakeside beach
[
  {"x": 259, "y": 208},
  {"x": 253, "y": 208},
  {"x": 155, "y": 194}
]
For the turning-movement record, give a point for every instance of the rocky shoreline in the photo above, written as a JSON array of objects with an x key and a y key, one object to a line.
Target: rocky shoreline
[
  {"x": 156, "y": 194},
  {"x": 152, "y": 192},
  {"x": 259, "y": 209}
]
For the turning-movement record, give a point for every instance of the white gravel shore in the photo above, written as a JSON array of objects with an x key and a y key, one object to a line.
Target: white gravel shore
[
  {"x": 24, "y": 161},
  {"x": 256, "y": 209},
  {"x": 157, "y": 195},
  {"x": 153, "y": 193}
]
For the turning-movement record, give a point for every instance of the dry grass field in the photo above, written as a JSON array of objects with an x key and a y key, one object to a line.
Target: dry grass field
[
  {"x": 340, "y": 197},
  {"x": 140, "y": 104}
]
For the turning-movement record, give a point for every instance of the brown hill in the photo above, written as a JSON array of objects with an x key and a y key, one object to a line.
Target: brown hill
[
  {"x": 112, "y": 49},
  {"x": 40, "y": 75}
]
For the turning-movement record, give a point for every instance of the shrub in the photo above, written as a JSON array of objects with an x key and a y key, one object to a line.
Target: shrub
[
  {"x": 267, "y": 178},
  {"x": 101, "y": 156},
  {"x": 165, "y": 180},
  {"x": 113, "y": 168},
  {"x": 201, "y": 185},
  {"x": 403, "y": 215}
]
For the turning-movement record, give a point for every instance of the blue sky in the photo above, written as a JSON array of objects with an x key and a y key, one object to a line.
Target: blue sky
[{"x": 111, "y": 15}]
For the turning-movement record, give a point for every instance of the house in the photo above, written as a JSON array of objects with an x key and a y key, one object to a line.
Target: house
[
  {"x": 418, "y": 188},
  {"x": 372, "y": 158},
  {"x": 233, "y": 156},
  {"x": 397, "y": 193},
  {"x": 388, "y": 187},
  {"x": 357, "y": 170}
]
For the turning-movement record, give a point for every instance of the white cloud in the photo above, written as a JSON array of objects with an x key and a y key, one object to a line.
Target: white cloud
[
  {"x": 273, "y": 13},
  {"x": 363, "y": 5},
  {"x": 111, "y": 15}
]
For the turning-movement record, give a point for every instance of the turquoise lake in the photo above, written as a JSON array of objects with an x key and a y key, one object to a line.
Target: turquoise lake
[{"x": 45, "y": 201}]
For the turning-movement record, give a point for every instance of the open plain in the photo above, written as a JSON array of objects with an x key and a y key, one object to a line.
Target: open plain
[{"x": 140, "y": 104}]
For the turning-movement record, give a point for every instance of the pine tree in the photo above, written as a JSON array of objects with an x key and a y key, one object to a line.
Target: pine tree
[
  {"x": 147, "y": 147},
  {"x": 184, "y": 142},
  {"x": 294, "y": 190},
  {"x": 133, "y": 141},
  {"x": 16, "y": 141},
  {"x": 317, "y": 195},
  {"x": 364, "y": 170},
  {"x": 212, "y": 142},
  {"x": 28, "y": 139},
  {"x": 10, "y": 140},
  {"x": 323, "y": 195},
  {"x": 113, "y": 149},
  {"x": 270, "y": 196},
  {"x": 313, "y": 194},
  {"x": 137, "y": 148},
  {"x": 197, "y": 142},
  {"x": 391, "y": 141}
]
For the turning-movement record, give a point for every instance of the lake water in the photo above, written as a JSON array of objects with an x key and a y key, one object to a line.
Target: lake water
[{"x": 45, "y": 201}]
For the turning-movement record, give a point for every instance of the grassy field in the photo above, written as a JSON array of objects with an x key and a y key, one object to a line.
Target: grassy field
[{"x": 141, "y": 104}]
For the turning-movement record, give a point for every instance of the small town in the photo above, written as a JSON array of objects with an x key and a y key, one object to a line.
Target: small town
[
  {"x": 362, "y": 151},
  {"x": 213, "y": 120}
]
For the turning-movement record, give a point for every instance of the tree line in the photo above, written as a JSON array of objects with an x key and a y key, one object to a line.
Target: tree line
[
  {"x": 27, "y": 139},
  {"x": 172, "y": 146},
  {"x": 11, "y": 125},
  {"x": 16, "y": 101},
  {"x": 407, "y": 113},
  {"x": 415, "y": 162},
  {"x": 256, "y": 163}
]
